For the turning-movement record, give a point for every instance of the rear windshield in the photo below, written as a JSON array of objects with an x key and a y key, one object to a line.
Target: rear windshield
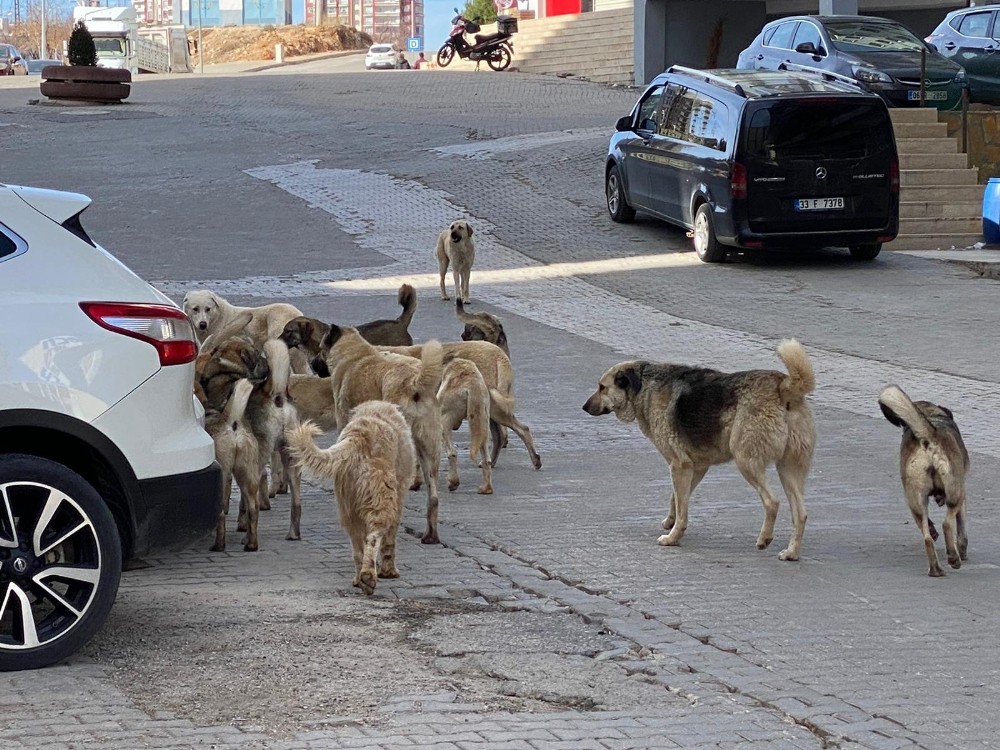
[
  {"x": 831, "y": 128},
  {"x": 865, "y": 36},
  {"x": 381, "y": 48}
]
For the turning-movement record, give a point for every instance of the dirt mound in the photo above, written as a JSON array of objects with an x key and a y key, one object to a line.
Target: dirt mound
[{"x": 239, "y": 43}]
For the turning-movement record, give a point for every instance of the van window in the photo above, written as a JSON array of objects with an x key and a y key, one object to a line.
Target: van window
[
  {"x": 649, "y": 110},
  {"x": 782, "y": 37},
  {"x": 807, "y": 33},
  {"x": 696, "y": 118},
  {"x": 837, "y": 128}
]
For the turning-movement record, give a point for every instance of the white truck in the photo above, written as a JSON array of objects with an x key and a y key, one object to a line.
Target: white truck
[{"x": 121, "y": 43}]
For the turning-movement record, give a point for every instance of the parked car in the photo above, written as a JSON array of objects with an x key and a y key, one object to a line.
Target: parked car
[
  {"x": 11, "y": 62},
  {"x": 758, "y": 160},
  {"x": 968, "y": 37},
  {"x": 880, "y": 53},
  {"x": 35, "y": 66},
  {"x": 384, "y": 56},
  {"x": 103, "y": 455}
]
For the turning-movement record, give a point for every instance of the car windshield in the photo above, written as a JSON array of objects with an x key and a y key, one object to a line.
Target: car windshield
[
  {"x": 785, "y": 131},
  {"x": 110, "y": 47},
  {"x": 35, "y": 66},
  {"x": 866, "y": 36}
]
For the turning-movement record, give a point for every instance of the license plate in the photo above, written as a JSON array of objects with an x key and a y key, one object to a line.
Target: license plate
[
  {"x": 818, "y": 204},
  {"x": 930, "y": 96}
]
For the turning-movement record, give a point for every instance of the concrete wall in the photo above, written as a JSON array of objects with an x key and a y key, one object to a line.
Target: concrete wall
[{"x": 984, "y": 139}]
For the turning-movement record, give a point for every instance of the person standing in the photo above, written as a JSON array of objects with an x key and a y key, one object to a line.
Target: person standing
[{"x": 419, "y": 61}]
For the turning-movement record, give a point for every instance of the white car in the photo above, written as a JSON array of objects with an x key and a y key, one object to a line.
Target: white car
[
  {"x": 384, "y": 56},
  {"x": 103, "y": 456}
]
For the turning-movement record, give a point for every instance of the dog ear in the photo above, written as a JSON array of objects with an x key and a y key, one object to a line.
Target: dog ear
[
  {"x": 947, "y": 412},
  {"x": 332, "y": 336},
  {"x": 320, "y": 367},
  {"x": 469, "y": 227},
  {"x": 628, "y": 379},
  {"x": 891, "y": 415},
  {"x": 184, "y": 302}
]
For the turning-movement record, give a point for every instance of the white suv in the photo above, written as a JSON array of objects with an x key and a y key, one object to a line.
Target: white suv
[
  {"x": 384, "y": 56},
  {"x": 102, "y": 452}
]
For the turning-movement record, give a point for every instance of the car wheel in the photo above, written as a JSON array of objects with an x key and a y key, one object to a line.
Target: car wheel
[
  {"x": 60, "y": 562},
  {"x": 705, "y": 244},
  {"x": 866, "y": 252},
  {"x": 614, "y": 191}
]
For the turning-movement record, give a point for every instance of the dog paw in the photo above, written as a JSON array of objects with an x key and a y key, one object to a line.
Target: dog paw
[
  {"x": 293, "y": 537},
  {"x": 445, "y": 297},
  {"x": 241, "y": 525},
  {"x": 264, "y": 505},
  {"x": 786, "y": 555},
  {"x": 388, "y": 573},
  {"x": 955, "y": 562},
  {"x": 668, "y": 523},
  {"x": 416, "y": 486},
  {"x": 536, "y": 461},
  {"x": 217, "y": 547},
  {"x": 764, "y": 543},
  {"x": 452, "y": 485},
  {"x": 367, "y": 581},
  {"x": 668, "y": 540},
  {"x": 430, "y": 537},
  {"x": 485, "y": 490},
  {"x": 935, "y": 572},
  {"x": 250, "y": 546}
]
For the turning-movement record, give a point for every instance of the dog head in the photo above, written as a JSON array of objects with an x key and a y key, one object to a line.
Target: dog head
[
  {"x": 616, "y": 391},
  {"x": 482, "y": 326},
  {"x": 459, "y": 231},
  {"x": 218, "y": 368},
  {"x": 305, "y": 333},
  {"x": 202, "y": 307}
]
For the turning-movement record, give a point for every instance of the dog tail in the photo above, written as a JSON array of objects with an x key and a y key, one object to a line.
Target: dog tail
[
  {"x": 236, "y": 406},
  {"x": 280, "y": 364},
  {"x": 431, "y": 369},
  {"x": 302, "y": 446},
  {"x": 408, "y": 301},
  {"x": 897, "y": 407},
  {"x": 801, "y": 379}
]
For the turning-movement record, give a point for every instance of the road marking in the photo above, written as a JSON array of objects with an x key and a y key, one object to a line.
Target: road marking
[{"x": 401, "y": 219}]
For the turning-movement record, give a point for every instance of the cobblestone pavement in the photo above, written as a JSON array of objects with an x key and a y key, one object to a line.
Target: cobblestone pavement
[{"x": 549, "y": 617}]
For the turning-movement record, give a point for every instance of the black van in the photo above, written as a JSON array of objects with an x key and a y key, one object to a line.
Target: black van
[{"x": 758, "y": 160}]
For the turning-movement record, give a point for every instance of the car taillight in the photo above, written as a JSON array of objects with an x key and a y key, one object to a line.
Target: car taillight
[
  {"x": 166, "y": 328},
  {"x": 894, "y": 177},
  {"x": 738, "y": 181}
]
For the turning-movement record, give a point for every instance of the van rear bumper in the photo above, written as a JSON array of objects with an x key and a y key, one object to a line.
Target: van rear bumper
[{"x": 811, "y": 240}]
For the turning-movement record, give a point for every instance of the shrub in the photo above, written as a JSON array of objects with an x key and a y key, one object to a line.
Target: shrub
[{"x": 81, "y": 46}]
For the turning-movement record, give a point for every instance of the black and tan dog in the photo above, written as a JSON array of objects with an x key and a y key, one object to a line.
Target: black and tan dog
[
  {"x": 698, "y": 418},
  {"x": 482, "y": 326},
  {"x": 933, "y": 462},
  {"x": 307, "y": 333}
]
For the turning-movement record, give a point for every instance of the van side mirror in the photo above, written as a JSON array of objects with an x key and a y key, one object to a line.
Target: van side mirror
[{"x": 624, "y": 124}]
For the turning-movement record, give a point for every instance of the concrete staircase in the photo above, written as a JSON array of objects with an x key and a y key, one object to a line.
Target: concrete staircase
[
  {"x": 940, "y": 198},
  {"x": 597, "y": 46}
]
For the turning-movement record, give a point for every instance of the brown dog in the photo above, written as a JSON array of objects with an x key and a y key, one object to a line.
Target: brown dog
[
  {"x": 482, "y": 326},
  {"x": 463, "y": 395},
  {"x": 698, "y": 418},
  {"x": 455, "y": 246},
  {"x": 933, "y": 462},
  {"x": 359, "y": 372},
  {"x": 370, "y": 465}
]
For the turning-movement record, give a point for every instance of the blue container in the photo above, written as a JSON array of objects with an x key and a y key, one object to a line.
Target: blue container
[{"x": 991, "y": 212}]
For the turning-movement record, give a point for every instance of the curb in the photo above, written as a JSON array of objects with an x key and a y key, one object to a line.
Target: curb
[{"x": 306, "y": 59}]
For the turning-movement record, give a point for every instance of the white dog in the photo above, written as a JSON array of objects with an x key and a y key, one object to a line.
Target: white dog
[
  {"x": 455, "y": 246},
  {"x": 209, "y": 312}
]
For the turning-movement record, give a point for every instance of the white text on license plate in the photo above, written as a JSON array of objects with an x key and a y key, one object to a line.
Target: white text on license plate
[
  {"x": 929, "y": 96},
  {"x": 818, "y": 204}
]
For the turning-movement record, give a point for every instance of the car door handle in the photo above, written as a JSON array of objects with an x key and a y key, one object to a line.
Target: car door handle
[{"x": 760, "y": 57}]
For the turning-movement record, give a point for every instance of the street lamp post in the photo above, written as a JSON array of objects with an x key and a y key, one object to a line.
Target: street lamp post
[
  {"x": 201, "y": 47},
  {"x": 44, "y": 51}
]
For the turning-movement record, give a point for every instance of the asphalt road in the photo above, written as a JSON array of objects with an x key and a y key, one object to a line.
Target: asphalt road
[{"x": 550, "y": 617}]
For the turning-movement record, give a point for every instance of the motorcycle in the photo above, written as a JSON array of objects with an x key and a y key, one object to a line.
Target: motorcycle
[{"x": 496, "y": 49}]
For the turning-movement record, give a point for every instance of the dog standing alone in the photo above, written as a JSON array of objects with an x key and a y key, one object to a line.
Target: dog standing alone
[
  {"x": 371, "y": 466},
  {"x": 456, "y": 246},
  {"x": 698, "y": 418},
  {"x": 933, "y": 462}
]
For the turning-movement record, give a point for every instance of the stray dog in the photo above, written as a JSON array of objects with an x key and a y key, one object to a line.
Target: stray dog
[
  {"x": 698, "y": 418},
  {"x": 359, "y": 372},
  {"x": 313, "y": 400},
  {"x": 496, "y": 370},
  {"x": 236, "y": 450},
  {"x": 455, "y": 246},
  {"x": 370, "y": 465},
  {"x": 209, "y": 312},
  {"x": 463, "y": 395},
  {"x": 933, "y": 462},
  {"x": 482, "y": 326}
]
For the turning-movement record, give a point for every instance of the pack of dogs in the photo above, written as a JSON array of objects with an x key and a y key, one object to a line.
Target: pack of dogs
[{"x": 271, "y": 380}]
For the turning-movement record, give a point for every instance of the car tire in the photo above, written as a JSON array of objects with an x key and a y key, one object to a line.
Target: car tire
[
  {"x": 614, "y": 191},
  {"x": 866, "y": 252},
  {"x": 64, "y": 594},
  {"x": 706, "y": 246}
]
